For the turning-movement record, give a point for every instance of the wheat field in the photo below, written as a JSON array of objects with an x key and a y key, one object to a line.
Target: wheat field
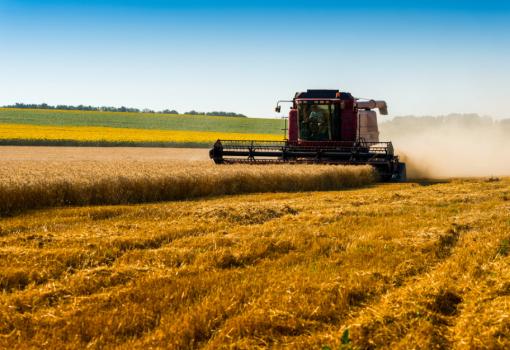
[
  {"x": 218, "y": 264},
  {"x": 30, "y": 184},
  {"x": 397, "y": 266}
]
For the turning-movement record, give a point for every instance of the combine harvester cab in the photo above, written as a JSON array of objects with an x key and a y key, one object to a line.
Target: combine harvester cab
[{"x": 324, "y": 127}]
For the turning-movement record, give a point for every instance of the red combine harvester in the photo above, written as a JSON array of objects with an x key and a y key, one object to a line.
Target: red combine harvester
[{"x": 325, "y": 127}]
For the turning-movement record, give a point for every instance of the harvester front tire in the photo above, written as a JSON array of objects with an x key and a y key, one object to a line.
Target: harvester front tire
[{"x": 402, "y": 173}]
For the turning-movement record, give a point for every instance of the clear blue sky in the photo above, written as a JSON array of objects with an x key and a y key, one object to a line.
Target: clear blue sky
[{"x": 424, "y": 57}]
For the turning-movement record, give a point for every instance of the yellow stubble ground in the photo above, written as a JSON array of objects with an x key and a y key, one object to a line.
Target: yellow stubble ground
[{"x": 415, "y": 265}]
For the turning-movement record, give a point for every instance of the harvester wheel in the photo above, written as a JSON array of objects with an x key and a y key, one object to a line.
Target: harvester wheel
[{"x": 402, "y": 174}]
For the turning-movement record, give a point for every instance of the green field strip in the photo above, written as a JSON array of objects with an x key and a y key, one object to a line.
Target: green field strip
[{"x": 141, "y": 121}]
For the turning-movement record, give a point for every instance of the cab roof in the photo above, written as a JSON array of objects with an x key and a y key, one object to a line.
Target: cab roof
[{"x": 325, "y": 94}]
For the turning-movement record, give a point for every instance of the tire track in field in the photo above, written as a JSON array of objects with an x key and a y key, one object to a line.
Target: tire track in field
[
  {"x": 423, "y": 312},
  {"x": 444, "y": 246}
]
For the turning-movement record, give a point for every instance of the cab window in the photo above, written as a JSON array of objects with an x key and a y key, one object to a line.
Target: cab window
[{"x": 314, "y": 122}]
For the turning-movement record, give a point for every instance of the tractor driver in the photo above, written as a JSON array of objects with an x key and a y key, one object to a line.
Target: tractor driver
[{"x": 317, "y": 122}]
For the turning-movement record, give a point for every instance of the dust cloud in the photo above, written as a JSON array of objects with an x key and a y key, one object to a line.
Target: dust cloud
[{"x": 451, "y": 146}]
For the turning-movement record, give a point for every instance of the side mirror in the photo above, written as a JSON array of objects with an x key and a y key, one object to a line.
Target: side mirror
[{"x": 278, "y": 109}]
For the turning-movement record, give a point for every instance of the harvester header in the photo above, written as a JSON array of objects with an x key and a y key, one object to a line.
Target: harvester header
[{"x": 324, "y": 126}]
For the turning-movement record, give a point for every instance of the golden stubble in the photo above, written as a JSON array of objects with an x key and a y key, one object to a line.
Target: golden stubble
[{"x": 415, "y": 265}]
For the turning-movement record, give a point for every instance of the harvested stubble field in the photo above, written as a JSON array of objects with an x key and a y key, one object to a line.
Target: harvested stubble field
[
  {"x": 415, "y": 265},
  {"x": 105, "y": 154}
]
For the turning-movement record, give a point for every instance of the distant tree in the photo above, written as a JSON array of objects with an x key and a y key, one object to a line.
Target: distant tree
[
  {"x": 193, "y": 112},
  {"x": 216, "y": 113},
  {"x": 168, "y": 111},
  {"x": 225, "y": 114}
]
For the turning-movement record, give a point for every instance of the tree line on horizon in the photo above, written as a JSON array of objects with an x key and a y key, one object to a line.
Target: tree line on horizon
[{"x": 119, "y": 109}]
